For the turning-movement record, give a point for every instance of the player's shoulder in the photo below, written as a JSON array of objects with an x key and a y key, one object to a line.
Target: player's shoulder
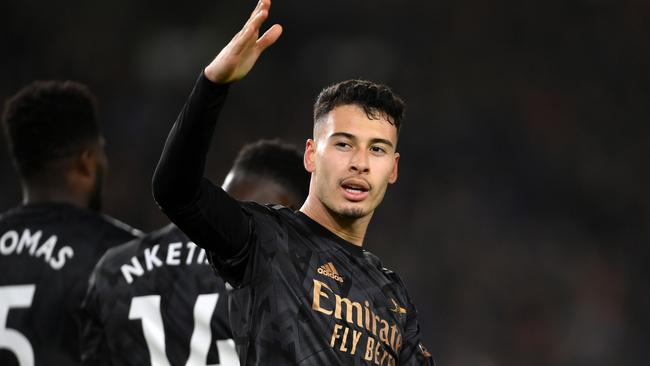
[
  {"x": 270, "y": 213},
  {"x": 269, "y": 209},
  {"x": 120, "y": 226},
  {"x": 374, "y": 260},
  {"x": 67, "y": 215},
  {"x": 166, "y": 234},
  {"x": 115, "y": 256},
  {"x": 107, "y": 230},
  {"x": 6, "y": 215},
  {"x": 119, "y": 254},
  {"x": 33, "y": 212}
]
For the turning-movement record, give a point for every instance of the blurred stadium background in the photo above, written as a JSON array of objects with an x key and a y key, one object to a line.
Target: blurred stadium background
[{"x": 521, "y": 219}]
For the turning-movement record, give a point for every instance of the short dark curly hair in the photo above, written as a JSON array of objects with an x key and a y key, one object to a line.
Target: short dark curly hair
[
  {"x": 377, "y": 100},
  {"x": 48, "y": 120},
  {"x": 277, "y": 161}
]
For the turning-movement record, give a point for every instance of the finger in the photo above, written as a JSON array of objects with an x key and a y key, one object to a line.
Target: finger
[
  {"x": 262, "y": 5},
  {"x": 258, "y": 20},
  {"x": 246, "y": 25},
  {"x": 250, "y": 31},
  {"x": 258, "y": 6},
  {"x": 269, "y": 37}
]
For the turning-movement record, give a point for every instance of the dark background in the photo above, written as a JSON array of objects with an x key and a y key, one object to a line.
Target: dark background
[{"x": 520, "y": 222}]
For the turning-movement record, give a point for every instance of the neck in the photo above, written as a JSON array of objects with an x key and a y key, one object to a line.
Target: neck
[
  {"x": 53, "y": 194},
  {"x": 350, "y": 229}
]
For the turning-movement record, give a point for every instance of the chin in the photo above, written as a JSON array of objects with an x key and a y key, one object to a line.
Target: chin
[{"x": 351, "y": 212}]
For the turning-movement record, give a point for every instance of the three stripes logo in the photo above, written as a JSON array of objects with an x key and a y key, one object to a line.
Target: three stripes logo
[{"x": 328, "y": 270}]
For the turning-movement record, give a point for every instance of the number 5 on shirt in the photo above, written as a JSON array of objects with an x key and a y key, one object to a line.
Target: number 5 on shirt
[{"x": 16, "y": 342}]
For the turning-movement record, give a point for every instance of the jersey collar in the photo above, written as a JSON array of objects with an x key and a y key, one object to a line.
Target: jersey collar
[{"x": 345, "y": 245}]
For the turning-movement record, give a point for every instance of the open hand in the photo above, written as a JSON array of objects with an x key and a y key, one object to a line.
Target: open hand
[{"x": 240, "y": 54}]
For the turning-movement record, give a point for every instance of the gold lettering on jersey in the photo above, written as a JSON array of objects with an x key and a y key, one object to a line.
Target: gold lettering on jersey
[
  {"x": 370, "y": 347},
  {"x": 13, "y": 243},
  {"x": 345, "y": 338},
  {"x": 350, "y": 307},
  {"x": 356, "y": 335},
  {"x": 318, "y": 293}
]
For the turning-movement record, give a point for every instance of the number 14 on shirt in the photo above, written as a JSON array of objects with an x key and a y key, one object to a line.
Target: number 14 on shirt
[{"x": 147, "y": 308}]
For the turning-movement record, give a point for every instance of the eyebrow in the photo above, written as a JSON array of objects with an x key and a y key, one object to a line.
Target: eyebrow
[{"x": 352, "y": 137}]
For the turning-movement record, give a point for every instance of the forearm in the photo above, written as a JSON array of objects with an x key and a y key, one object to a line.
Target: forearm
[
  {"x": 177, "y": 179},
  {"x": 207, "y": 214}
]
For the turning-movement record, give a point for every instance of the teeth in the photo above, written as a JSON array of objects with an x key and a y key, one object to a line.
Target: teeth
[{"x": 353, "y": 190}]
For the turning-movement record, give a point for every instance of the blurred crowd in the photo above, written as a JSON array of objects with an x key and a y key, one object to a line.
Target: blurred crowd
[{"x": 521, "y": 219}]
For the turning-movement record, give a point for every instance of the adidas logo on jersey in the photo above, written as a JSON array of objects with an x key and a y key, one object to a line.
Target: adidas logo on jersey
[{"x": 328, "y": 270}]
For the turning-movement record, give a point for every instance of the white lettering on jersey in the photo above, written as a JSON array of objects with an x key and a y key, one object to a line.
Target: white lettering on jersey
[
  {"x": 134, "y": 269},
  {"x": 59, "y": 262},
  {"x": 47, "y": 248},
  {"x": 173, "y": 254},
  {"x": 27, "y": 240},
  {"x": 8, "y": 242},
  {"x": 13, "y": 243},
  {"x": 177, "y": 253},
  {"x": 191, "y": 247},
  {"x": 151, "y": 257}
]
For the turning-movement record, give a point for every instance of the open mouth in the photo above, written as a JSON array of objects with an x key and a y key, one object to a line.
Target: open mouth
[{"x": 355, "y": 189}]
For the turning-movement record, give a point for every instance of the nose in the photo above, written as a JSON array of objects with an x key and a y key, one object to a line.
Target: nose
[{"x": 359, "y": 162}]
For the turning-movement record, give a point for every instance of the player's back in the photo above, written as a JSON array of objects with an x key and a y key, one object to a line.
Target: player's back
[
  {"x": 47, "y": 252},
  {"x": 156, "y": 301}
]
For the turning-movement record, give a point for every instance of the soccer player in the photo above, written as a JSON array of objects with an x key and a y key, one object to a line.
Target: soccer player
[
  {"x": 156, "y": 301},
  {"x": 306, "y": 292},
  {"x": 51, "y": 242}
]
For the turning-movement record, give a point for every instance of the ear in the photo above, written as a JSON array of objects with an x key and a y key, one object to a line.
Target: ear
[
  {"x": 310, "y": 155},
  {"x": 393, "y": 175},
  {"x": 87, "y": 163}
]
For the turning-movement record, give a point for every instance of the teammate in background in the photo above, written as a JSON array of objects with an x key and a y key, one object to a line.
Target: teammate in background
[
  {"x": 306, "y": 291},
  {"x": 156, "y": 301},
  {"x": 51, "y": 242}
]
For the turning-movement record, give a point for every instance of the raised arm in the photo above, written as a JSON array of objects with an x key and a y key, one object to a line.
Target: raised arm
[{"x": 203, "y": 211}]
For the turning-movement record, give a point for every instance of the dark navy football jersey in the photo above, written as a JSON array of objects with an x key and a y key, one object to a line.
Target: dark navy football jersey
[
  {"x": 307, "y": 297},
  {"x": 47, "y": 252},
  {"x": 156, "y": 301}
]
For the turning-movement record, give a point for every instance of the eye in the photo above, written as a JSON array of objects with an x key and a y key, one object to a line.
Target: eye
[
  {"x": 378, "y": 150},
  {"x": 342, "y": 145}
]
